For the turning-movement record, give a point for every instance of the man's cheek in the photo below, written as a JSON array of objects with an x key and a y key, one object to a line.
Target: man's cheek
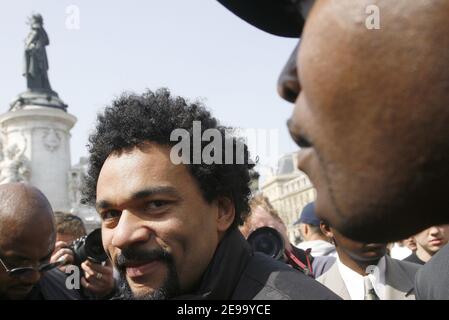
[
  {"x": 107, "y": 246},
  {"x": 111, "y": 255}
]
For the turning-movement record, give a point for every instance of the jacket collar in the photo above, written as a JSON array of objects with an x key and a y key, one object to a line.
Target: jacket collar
[
  {"x": 223, "y": 273},
  {"x": 334, "y": 281}
]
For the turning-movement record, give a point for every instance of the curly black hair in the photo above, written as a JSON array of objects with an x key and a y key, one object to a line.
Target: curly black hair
[{"x": 134, "y": 119}]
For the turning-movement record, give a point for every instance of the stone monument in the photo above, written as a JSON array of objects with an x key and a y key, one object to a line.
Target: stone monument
[{"x": 35, "y": 132}]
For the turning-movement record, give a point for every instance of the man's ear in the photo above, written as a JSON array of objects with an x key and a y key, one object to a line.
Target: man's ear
[
  {"x": 306, "y": 229},
  {"x": 326, "y": 230},
  {"x": 226, "y": 213}
]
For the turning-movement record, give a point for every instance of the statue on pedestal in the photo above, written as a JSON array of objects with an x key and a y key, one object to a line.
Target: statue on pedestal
[
  {"x": 36, "y": 62},
  {"x": 35, "y": 70}
]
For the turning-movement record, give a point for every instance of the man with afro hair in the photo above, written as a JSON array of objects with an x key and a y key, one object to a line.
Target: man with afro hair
[{"x": 170, "y": 227}]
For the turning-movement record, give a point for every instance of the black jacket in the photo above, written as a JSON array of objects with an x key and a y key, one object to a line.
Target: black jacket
[
  {"x": 432, "y": 281},
  {"x": 52, "y": 286},
  {"x": 235, "y": 272},
  {"x": 414, "y": 258}
]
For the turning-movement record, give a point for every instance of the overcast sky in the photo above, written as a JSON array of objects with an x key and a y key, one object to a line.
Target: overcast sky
[{"x": 196, "y": 48}]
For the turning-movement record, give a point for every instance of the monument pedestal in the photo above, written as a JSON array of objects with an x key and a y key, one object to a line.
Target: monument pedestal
[
  {"x": 36, "y": 149},
  {"x": 43, "y": 99}
]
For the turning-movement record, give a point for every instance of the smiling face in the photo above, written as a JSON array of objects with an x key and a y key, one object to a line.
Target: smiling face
[
  {"x": 159, "y": 231},
  {"x": 371, "y": 115}
]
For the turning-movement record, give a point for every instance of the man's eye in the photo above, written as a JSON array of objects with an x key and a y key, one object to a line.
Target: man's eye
[
  {"x": 111, "y": 214},
  {"x": 156, "y": 204}
]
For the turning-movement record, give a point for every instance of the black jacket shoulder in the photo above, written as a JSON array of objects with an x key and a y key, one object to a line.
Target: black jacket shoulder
[
  {"x": 432, "y": 281},
  {"x": 267, "y": 279}
]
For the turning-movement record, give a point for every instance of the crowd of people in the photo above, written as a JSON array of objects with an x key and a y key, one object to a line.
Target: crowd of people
[{"x": 371, "y": 115}]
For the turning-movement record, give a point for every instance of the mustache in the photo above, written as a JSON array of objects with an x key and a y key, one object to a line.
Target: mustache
[{"x": 139, "y": 255}]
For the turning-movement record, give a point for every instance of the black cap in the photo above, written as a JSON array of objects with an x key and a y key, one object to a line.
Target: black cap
[{"x": 279, "y": 17}]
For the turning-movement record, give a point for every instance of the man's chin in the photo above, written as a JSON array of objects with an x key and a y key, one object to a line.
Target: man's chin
[
  {"x": 370, "y": 257},
  {"x": 143, "y": 290},
  {"x": 160, "y": 287},
  {"x": 143, "y": 293}
]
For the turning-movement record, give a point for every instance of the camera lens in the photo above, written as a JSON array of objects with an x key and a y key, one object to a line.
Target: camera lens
[
  {"x": 268, "y": 241},
  {"x": 89, "y": 247},
  {"x": 94, "y": 247}
]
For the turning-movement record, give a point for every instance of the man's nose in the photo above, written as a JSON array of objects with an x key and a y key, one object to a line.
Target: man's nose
[
  {"x": 288, "y": 82},
  {"x": 434, "y": 231},
  {"x": 129, "y": 231}
]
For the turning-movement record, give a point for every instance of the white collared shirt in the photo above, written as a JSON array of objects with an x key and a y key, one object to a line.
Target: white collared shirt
[{"x": 354, "y": 281}]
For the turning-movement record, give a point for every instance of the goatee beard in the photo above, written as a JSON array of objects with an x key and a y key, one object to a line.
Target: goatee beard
[{"x": 170, "y": 287}]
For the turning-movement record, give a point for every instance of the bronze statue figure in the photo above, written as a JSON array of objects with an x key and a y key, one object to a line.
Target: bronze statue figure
[
  {"x": 36, "y": 62},
  {"x": 35, "y": 71}
]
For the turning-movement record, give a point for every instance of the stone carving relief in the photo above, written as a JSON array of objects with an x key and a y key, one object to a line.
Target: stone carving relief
[
  {"x": 51, "y": 139},
  {"x": 14, "y": 166}
]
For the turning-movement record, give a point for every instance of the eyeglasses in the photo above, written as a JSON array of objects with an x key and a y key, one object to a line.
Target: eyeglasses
[{"x": 26, "y": 271}]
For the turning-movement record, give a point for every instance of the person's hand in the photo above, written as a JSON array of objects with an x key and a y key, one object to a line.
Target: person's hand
[
  {"x": 98, "y": 279},
  {"x": 62, "y": 251}
]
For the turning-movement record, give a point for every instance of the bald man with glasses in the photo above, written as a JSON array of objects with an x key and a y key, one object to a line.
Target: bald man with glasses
[{"x": 27, "y": 239}]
